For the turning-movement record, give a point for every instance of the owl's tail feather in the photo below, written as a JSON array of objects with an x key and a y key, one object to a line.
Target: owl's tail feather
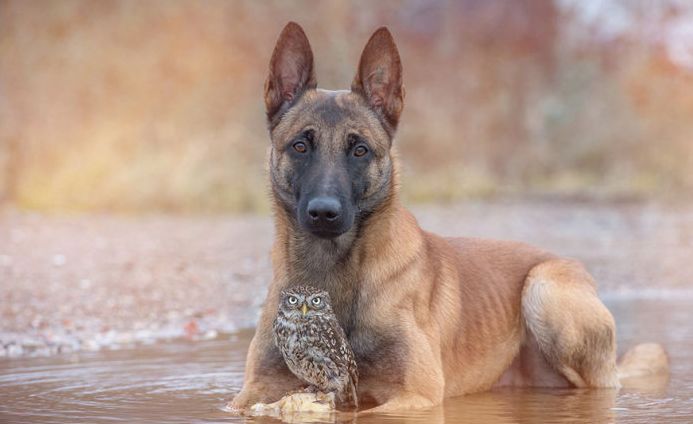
[{"x": 354, "y": 395}]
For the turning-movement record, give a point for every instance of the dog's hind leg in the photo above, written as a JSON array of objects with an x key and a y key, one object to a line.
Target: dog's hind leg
[{"x": 573, "y": 329}]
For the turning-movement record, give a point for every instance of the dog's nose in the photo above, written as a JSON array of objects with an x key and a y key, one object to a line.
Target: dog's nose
[{"x": 324, "y": 210}]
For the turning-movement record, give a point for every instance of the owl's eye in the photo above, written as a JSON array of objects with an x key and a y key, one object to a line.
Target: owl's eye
[
  {"x": 316, "y": 301},
  {"x": 293, "y": 300}
]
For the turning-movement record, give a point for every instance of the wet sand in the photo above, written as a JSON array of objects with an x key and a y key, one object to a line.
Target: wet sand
[{"x": 85, "y": 283}]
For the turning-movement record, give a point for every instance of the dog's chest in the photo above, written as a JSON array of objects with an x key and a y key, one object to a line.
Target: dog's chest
[
  {"x": 380, "y": 353},
  {"x": 378, "y": 347}
]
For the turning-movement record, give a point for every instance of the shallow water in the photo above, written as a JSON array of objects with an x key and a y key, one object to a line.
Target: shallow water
[{"x": 190, "y": 381}]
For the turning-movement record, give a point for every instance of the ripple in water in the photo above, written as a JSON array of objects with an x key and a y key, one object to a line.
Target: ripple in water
[{"x": 187, "y": 381}]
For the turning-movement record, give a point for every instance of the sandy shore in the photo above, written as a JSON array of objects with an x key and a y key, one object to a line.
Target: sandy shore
[{"x": 73, "y": 283}]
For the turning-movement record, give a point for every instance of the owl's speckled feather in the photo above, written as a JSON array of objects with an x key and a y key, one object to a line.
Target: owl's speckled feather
[{"x": 313, "y": 344}]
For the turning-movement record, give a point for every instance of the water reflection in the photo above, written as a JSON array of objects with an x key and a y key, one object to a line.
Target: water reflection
[{"x": 187, "y": 381}]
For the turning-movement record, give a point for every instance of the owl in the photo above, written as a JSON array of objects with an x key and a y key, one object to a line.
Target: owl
[{"x": 313, "y": 343}]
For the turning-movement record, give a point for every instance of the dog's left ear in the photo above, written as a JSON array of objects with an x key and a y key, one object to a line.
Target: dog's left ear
[{"x": 379, "y": 78}]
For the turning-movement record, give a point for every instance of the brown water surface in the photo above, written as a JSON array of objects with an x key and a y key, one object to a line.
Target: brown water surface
[{"x": 190, "y": 381}]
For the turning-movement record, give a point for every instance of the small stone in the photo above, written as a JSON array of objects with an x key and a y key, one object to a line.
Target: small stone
[
  {"x": 59, "y": 260},
  {"x": 14, "y": 351},
  {"x": 125, "y": 337},
  {"x": 191, "y": 328},
  {"x": 210, "y": 334},
  {"x": 91, "y": 345}
]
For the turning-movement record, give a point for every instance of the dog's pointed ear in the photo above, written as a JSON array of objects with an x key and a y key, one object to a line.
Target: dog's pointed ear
[
  {"x": 291, "y": 71},
  {"x": 379, "y": 77}
]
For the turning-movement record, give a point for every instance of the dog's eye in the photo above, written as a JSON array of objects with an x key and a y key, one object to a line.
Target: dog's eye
[
  {"x": 316, "y": 301},
  {"x": 360, "y": 151},
  {"x": 293, "y": 300},
  {"x": 300, "y": 147}
]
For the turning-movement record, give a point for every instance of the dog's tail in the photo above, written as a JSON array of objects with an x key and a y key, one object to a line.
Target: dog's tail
[{"x": 642, "y": 363}]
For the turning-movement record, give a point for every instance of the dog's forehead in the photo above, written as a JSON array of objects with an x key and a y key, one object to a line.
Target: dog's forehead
[
  {"x": 334, "y": 107},
  {"x": 331, "y": 111}
]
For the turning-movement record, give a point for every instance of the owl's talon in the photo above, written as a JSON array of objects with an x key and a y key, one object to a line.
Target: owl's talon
[{"x": 322, "y": 397}]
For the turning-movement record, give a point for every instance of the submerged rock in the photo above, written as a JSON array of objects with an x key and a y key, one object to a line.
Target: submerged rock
[{"x": 298, "y": 407}]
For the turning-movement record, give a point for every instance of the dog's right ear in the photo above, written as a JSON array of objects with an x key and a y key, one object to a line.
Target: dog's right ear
[{"x": 291, "y": 71}]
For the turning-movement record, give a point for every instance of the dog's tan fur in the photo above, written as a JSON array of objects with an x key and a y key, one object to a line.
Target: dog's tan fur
[{"x": 428, "y": 317}]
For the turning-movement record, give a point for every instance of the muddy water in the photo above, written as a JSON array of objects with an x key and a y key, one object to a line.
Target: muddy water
[{"x": 190, "y": 381}]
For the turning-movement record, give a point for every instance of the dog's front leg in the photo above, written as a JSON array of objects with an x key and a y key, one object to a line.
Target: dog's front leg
[
  {"x": 422, "y": 388},
  {"x": 267, "y": 378},
  {"x": 421, "y": 382},
  {"x": 403, "y": 402}
]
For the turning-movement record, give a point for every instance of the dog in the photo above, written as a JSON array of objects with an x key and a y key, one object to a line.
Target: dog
[{"x": 428, "y": 317}]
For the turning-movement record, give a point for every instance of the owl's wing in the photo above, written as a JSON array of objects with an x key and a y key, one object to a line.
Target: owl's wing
[
  {"x": 347, "y": 361},
  {"x": 343, "y": 350},
  {"x": 276, "y": 330}
]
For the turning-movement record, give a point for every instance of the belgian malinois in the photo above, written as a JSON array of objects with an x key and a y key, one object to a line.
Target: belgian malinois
[{"x": 428, "y": 317}]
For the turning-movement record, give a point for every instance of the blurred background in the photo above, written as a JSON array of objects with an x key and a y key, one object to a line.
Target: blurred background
[
  {"x": 134, "y": 106},
  {"x": 134, "y": 200}
]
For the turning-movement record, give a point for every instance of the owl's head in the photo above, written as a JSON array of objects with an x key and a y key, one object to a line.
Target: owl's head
[{"x": 304, "y": 301}]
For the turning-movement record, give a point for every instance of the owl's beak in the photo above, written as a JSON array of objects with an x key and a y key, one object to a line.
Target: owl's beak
[{"x": 304, "y": 309}]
